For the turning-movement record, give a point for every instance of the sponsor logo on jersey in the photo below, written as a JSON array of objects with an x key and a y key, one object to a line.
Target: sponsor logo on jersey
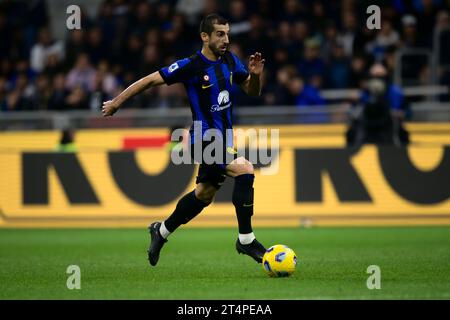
[{"x": 223, "y": 101}]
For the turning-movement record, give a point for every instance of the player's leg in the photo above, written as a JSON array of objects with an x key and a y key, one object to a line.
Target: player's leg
[
  {"x": 209, "y": 180},
  {"x": 188, "y": 207},
  {"x": 243, "y": 173}
]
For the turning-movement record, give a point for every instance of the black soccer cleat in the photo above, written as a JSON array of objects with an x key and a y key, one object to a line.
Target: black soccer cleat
[
  {"x": 157, "y": 242},
  {"x": 254, "y": 249}
]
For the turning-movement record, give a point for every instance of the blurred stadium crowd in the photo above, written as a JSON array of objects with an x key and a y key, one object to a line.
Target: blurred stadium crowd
[{"x": 309, "y": 45}]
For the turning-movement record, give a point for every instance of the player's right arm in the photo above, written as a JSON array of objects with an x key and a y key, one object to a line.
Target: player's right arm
[{"x": 110, "y": 107}]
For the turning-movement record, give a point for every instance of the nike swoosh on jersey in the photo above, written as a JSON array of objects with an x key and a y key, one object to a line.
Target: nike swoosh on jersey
[{"x": 206, "y": 87}]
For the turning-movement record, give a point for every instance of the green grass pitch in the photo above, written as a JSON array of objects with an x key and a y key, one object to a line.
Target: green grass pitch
[{"x": 203, "y": 264}]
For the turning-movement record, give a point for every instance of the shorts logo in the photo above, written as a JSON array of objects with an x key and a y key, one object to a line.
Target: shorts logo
[
  {"x": 174, "y": 66},
  {"x": 206, "y": 77}
]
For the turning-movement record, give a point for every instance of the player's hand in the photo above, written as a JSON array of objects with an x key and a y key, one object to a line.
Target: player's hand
[
  {"x": 256, "y": 64},
  {"x": 109, "y": 108}
]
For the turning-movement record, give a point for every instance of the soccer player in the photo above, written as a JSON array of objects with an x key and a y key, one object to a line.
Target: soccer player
[{"x": 208, "y": 76}]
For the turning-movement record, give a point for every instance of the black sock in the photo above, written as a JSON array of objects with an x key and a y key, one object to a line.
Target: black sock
[
  {"x": 187, "y": 208},
  {"x": 243, "y": 201}
]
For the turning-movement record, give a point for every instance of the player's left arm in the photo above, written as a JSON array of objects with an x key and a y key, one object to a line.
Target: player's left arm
[{"x": 253, "y": 84}]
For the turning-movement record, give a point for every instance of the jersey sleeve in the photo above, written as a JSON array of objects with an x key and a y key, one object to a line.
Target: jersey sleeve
[
  {"x": 240, "y": 73},
  {"x": 396, "y": 97},
  {"x": 179, "y": 71}
]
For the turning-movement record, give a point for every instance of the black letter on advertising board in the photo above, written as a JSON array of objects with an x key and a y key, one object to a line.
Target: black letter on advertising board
[
  {"x": 145, "y": 189},
  {"x": 417, "y": 186},
  {"x": 69, "y": 171},
  {"x": 311, "y": 163}
]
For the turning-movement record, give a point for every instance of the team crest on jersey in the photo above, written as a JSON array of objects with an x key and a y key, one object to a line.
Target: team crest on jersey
[{"x": 174, "y": 66}]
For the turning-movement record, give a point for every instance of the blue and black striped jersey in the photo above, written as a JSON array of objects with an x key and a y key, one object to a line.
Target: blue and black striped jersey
[{"x": 208, "y": 86}]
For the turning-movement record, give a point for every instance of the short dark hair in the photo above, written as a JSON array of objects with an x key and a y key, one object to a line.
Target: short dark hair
[{"x": 208, "y": 22}]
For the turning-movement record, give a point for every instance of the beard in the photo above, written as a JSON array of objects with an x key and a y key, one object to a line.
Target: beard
[{"x": 216, "y": 50}]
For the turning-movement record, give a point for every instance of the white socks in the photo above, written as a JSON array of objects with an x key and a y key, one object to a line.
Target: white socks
[
  {"x": 246, "y": 238},
  {"x": 163, "y": 231}
]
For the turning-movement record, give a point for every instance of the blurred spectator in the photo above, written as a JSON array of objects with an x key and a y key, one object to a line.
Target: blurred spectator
[
  {"x": 349, "y": 29},
  {"x": 133, "y": 52},
  {"x": 388, "y": 36},
  {"x": 364, "y": 42},
  {"x": 442, "y": 20},
  {"x": 358, "y": 67},
  {"x": 5, "y": 35},
  {"x": 239, "y": 22},
  {"x": 74, "y": 46},
  {"x": 210, "y": 6},
  {"x": 191, "y": 9},
  {"x": 305, "y": 94},
  {"x": 425, "y": 11},
  {"x": 280, "y": 93},
  {"x": 410, "y": 37},
  {"x": 392, "y": 92},
  {"x": 96, "y": 47},
  {"x": 144, "y": 18},
  {"x": 292, "y": 11},
  {"x": 329, "y": 40},
  {"x": 311, "y": 64},
  {"x": 300, "y": 32},
  {"x": 98, "y": 94},
  {"x": 43, "y": 48},
  {"x": 18, "y": 98},
  {"x": 382, "y": 109},
  {"x": 256, "y": 39},
  {"x": 77, "y": 99},
  {"x": 443, "y": 27},
  {"x": 57, "y": 99},
  {"x": 106, "y": 22},
  {"x": 82, "y": 75},
  {"x": 338, "y": 68},
  {"x": 105, "y": 80},
  {"x": 41, "y": 93},
  {"x": 319, "y": 19}
]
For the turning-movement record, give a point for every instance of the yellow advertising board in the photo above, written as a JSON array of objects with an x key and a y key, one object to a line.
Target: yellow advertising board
[{"x": 317, "y": 180}]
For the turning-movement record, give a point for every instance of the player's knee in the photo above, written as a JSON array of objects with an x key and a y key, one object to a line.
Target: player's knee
[
  {"x": 207, "y": 198},
  {"x": 248, "y": 168},
  {"x": 205, "y": 194},
  {"x": 245, "y": 168}
]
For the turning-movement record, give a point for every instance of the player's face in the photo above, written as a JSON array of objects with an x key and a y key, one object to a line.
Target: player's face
[{"x": 219, "y": 39}]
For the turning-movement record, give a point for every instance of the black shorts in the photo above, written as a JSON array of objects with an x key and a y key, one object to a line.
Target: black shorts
[{"x": 215, "y": 172}]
